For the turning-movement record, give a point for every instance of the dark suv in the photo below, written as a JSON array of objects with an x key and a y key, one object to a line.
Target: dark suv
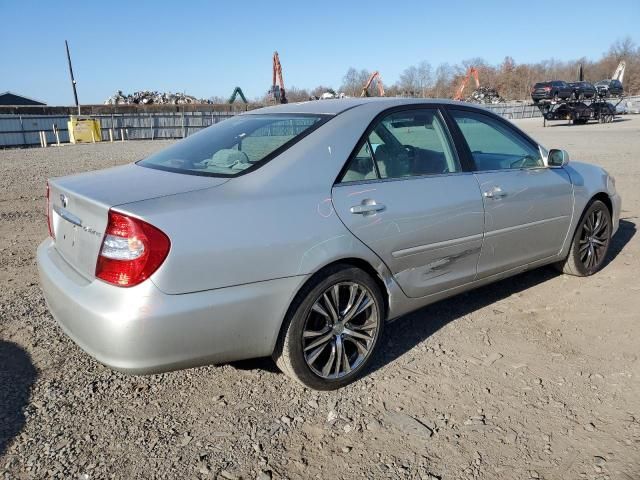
[
  {"x": 553, "y": 90},
  {"x": 609, "y": 88},
  {"x": 582, "y": 90}
]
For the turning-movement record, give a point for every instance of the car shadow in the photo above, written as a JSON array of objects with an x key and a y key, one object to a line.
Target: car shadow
[
  {"x": 17, "y": 376},
  {"x": 410, "y": 330},
  {"x": 625, "y": 233}
]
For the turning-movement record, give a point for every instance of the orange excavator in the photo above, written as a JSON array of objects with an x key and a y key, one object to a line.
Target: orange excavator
[
  {"x": 277, "y": 92},
  {"x": 379, "y": 85},
  {"x": 472, "y": 71}
]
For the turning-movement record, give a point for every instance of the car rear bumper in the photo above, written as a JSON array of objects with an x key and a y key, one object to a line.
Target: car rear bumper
[{"x": 143, "y": 330}]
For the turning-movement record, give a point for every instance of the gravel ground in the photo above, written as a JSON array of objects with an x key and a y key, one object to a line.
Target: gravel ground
[{"x": 533, "y": 377}]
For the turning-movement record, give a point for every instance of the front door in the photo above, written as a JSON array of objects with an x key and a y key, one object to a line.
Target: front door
[
  {"x": 404, "y": 195},
  {"x": 528, "y": 206}
]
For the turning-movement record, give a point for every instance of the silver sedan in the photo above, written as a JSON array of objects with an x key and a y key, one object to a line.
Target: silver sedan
[{"x": 298, "y": 231}]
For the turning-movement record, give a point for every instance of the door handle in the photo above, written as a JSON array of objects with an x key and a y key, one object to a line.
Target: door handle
[
  {"x": 367, "y": 207},
  {"x": 495, "y": 192}
]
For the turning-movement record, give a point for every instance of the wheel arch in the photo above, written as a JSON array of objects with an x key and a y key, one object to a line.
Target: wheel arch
[
  {"x": 357, "y": 262},
  {"x": 604, "y": 198}
]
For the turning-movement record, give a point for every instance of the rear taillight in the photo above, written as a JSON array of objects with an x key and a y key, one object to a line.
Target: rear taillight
[
  {"x": 49, "y": 226},
  {"x": 131, "y": 251}
]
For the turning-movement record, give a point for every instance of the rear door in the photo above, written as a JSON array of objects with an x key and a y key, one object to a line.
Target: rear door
[
  {"x": 404, "y": 194},
  {"x": 528, "y": 206}
]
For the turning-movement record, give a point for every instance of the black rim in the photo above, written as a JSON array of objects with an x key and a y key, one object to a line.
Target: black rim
[{"x": 594, "y": 239}]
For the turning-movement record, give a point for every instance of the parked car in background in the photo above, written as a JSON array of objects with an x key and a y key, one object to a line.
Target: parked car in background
[
  {"x": 582, "y": 90},
  {"x": 297, "y": 231},
  {"x": 609, "y": 88},
  {"x": 553, "y": 91}
]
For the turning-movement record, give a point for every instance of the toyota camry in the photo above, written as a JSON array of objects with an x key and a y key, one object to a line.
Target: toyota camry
[{"x": 298, "y": 231}]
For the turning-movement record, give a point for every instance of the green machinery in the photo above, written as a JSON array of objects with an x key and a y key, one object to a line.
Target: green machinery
[{"x": 236, "y": 92}]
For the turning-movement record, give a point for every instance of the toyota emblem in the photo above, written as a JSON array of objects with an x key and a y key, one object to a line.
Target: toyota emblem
[{"x": 64, "y": 200}]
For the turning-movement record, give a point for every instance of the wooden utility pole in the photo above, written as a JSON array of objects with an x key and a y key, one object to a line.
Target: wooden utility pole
[{"x": 73, "y": 80}]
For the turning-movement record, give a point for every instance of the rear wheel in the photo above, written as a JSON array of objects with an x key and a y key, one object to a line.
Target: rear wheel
[
  {"x": 590, "y": 242},
  {"x": 332, "y": 330}
]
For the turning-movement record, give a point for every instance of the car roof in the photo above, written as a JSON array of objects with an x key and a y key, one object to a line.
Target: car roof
[{"x": 339, "y": 105}]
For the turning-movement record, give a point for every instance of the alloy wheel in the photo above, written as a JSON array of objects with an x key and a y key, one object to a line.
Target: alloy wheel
[
  {"x": 340, "y": 330},
  {"x": 594, "y": 239}
]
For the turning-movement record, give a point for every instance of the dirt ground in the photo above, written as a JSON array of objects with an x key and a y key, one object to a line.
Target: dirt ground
[{"x": 537, "y": 376}]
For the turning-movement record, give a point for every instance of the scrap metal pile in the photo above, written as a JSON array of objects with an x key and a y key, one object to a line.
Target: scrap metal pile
[
  {"x": 486, "y": 95},
  {"x": 148, "y": 97}
]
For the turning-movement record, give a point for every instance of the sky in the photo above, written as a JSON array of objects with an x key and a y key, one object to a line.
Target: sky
[{"x": 207, "y": 48}]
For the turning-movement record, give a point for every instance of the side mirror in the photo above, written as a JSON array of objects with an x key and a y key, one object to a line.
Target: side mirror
[{"x": 557, "y": 158}]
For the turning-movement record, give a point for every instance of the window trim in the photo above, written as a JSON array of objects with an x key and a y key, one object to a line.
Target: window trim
[
  {"x": 464, "y": 146},
  {"x": 364, "y": 138},
  {"x": 324, "y": 118}
]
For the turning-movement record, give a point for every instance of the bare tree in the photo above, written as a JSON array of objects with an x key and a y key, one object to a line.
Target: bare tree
[
  {"x": 320, "y": 89},
  {"x": 443, "y": 81},
  {"x": 353, "y": 81},
  {"x": 512, "y": 80},
  {"x": 409, "y": 84},
  {"x": 295, "y": 94},
  {"x": 623, "y": 48},
  {"x": 424, "y": 77}
]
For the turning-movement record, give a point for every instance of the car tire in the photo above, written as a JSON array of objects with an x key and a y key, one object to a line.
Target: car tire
[
  {"x": 590, "y": 243},
  {"x": 311, "y": 357}
]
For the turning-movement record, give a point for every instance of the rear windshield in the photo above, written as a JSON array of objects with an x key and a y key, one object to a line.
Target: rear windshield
[{"x": 236, "y": 145}]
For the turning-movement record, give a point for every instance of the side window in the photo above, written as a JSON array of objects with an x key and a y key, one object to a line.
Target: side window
[
  {"x": 412, "y": 143},
  {"x": 361, "y": 166},
  {"x": 404, "y": 144},
  {"x": 493, "y": 145}
]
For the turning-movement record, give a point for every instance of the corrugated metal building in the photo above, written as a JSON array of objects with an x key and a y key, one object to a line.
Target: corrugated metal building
[{"x": 10, "y": 98}]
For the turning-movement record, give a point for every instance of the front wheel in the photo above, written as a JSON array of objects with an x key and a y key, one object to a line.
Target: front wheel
[
  {"x": 590, "y": 243},
  {"x": 332, "y": 330}
]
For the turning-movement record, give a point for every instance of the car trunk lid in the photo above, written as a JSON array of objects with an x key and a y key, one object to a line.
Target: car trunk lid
[{"x": 79, "y": 205}]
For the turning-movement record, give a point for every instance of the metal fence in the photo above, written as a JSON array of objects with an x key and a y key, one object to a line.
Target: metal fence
[
  {"x": 514, "y": 111},
  {"x": 24, "y": 130}
]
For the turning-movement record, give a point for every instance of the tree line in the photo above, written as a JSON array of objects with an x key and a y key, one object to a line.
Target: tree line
[{"x": 512, "y": 80}]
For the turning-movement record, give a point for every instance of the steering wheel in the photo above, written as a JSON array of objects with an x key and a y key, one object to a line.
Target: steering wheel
[{"x": 411, "y": 150}]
